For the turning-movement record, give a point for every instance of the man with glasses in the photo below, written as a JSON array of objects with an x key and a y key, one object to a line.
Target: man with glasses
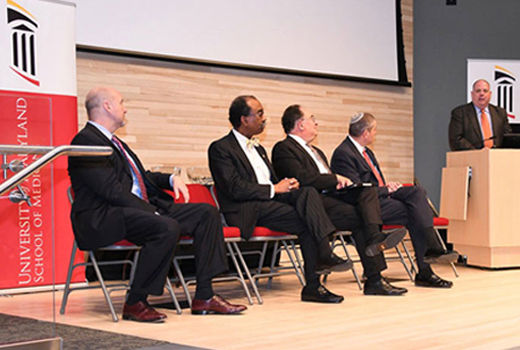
[
  {"x": 355, "y": 209},
  {"x": 251, "y": 195}
]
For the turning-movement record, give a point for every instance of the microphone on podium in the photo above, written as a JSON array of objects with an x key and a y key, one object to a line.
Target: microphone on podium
[{"x": 481, "y": 142}]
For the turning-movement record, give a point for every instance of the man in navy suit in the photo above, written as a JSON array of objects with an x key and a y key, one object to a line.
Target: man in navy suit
[
  {"x": 400, "y": 205},
  {"x": 478, "y": 124},
  {"x": 116, "y": 198},
  {"x": 251, "y": 195},
  {"x": 296, "y": 157}
]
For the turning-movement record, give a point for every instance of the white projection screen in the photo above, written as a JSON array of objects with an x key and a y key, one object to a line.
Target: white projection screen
[{"x": 350, "y": 39}]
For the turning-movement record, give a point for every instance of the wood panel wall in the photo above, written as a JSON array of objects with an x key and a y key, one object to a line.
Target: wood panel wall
[{"x": 176, "y": 110}]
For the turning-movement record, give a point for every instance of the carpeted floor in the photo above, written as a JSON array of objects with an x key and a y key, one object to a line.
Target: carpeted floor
[{"x": 17, "y": 329}]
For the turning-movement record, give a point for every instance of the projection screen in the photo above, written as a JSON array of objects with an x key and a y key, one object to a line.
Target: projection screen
[{"x": 348, "y": 39}]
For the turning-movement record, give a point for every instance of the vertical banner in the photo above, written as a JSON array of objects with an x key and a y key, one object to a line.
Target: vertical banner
[
  {"x": 502, "y": 75},
  {"x": 38, "y": 107}
]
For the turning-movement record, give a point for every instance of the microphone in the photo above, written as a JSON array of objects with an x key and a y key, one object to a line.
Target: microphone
[{"x": 481, "y": 142}]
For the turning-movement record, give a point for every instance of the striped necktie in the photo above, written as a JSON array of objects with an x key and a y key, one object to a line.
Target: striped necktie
[{"x": 137, "y": 173}]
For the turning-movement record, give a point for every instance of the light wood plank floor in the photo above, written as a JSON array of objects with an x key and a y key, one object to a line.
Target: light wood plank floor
[{"x": 482, "y": 311}]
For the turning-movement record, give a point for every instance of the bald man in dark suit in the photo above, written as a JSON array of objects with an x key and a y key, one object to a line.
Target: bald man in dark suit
[
  {"x": 116, "y": 198},
  {"x": 469, "y": 131}
]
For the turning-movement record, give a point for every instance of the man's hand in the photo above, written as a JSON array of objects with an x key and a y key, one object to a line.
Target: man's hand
[
  {"x": 286, "y": 185},
  {"x": 180, "y": 186},
  {"x": 343, "y": 182},
  {"x": 393, "y": 186}
]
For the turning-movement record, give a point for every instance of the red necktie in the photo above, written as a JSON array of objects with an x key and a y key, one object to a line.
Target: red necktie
[
  {"x": 486, "y": 128},
  {"x": 136, "y": 171},
  {"x": 374, "y": 170}
]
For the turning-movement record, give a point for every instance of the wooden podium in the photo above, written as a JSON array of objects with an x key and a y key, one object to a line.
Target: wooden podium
[{"x": 484, "y": 212}]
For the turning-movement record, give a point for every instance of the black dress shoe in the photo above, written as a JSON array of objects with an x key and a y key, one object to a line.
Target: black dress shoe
[
  {"x": 385, "y": 241},
  {"x": 333, "y": 264},
  {"x": 320, "y": 294},
  {"x": 382, "y": 287},
  {"x": 440, "y": 256},
  {"x": 432, "y": 281}
]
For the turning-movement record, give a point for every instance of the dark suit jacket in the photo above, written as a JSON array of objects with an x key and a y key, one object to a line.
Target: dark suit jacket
[
  {"x": 239, "y": 193},
  {"x": 290, "y": 159},
  {"x": 347, "y": 161},
  {"x": 464, "y": 129},
  {"x": 102, "y": 187}
]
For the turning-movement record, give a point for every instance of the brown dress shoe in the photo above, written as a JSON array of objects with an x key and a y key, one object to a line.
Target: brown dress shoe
[
  {"x": 215, "y": 305},
  {"x": 142, "y": 312}
]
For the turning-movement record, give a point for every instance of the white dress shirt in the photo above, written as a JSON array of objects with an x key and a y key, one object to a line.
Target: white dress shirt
[
  {"x": 307, "y": 148},
  {"x": 263, "y": 175}
]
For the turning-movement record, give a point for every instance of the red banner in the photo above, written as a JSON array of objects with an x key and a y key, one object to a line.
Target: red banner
[{"x": 27, "y": 230}]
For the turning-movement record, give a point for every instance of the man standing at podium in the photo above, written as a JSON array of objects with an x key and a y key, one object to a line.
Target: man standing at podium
[{"x": 478, "y": 124}]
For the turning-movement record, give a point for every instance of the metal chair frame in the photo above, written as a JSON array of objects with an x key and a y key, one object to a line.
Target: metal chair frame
[
  {"x": 107, "y": 288},
  {"x": 231, "y": 253}
]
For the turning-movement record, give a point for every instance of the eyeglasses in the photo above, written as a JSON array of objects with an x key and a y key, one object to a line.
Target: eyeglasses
[
  {"x": 313, "y": 118},
  {"x": 259, "y": 113}
]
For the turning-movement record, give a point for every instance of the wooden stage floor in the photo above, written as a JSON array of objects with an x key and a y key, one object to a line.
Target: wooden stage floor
[{"x": 482, "y": 311}]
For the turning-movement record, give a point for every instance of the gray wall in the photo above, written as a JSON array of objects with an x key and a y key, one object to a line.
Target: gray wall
[{"x": 444, "y": 37}]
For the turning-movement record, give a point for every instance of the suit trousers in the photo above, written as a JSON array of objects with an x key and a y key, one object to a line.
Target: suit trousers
[
  {"x": 345, "y": 218},
  {"x": 408, "y": 206},
  {"x": 299, "y": 212},
  {"x": 158, "y": 235}
]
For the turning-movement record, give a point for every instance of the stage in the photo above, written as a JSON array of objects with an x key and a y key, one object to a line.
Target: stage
[{"x": 482, "y": 311}]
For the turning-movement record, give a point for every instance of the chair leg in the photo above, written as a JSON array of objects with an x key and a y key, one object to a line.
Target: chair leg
[
  {"x": 293, "y": 262},
  {"x": 239, "y": 272},
  {"x": 66, "y": 290},
  {"x": 103, "y": 286},
  {"x": 181, "y": 279},
  {"x": 354, "y": 272},
  {"x": 298, "y": 258},
  {"x": 134, "y": 267},
  {"x": 404, "y": 263},
  {"x": 169, "y": 287},
  {"x": 444, "y": 247},
  {"x": 248, "y": 273},
  {"x": 262, "y": 257},
  {"x": 276, "y": 250},
  {"x": 410, "y": 258}
]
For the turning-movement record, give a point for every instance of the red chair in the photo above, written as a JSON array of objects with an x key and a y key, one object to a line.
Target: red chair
[
  {"x": 201, "y": 194},
  {"x": 123, "y": 245},
  {"x": 282, "y": 241}
]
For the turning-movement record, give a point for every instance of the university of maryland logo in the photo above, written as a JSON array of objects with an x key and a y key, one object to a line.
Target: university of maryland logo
[
  {"x": 23, "y": 26},
  {"x": 505, "y": 84}
]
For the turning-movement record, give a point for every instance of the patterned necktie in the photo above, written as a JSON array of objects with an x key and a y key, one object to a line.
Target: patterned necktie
[
  {"x": 253, "y": 142},
  {"x": 319, "y": 158},
  {"x": 134, "y": 169},
  {"x": 486, "y": 128},
  {"x": 374, "y": 170}
]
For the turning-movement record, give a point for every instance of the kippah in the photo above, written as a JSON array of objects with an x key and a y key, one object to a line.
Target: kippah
[{"x": 357, "y": 117}]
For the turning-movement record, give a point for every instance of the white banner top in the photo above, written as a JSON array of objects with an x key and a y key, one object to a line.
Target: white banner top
[
  {"x": 38, "y": 46},
  {"x": 502, "y": 76}
]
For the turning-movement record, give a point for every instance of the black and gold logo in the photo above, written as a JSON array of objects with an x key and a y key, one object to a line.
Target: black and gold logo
[
  {"x": 23, "y": 26},
  {"x": 505, "y": 85}
]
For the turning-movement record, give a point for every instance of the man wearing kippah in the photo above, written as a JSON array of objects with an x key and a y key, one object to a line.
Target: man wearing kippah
[
  {"x": 350, "y": 208},
  {"x": 400, "y": 205}
]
